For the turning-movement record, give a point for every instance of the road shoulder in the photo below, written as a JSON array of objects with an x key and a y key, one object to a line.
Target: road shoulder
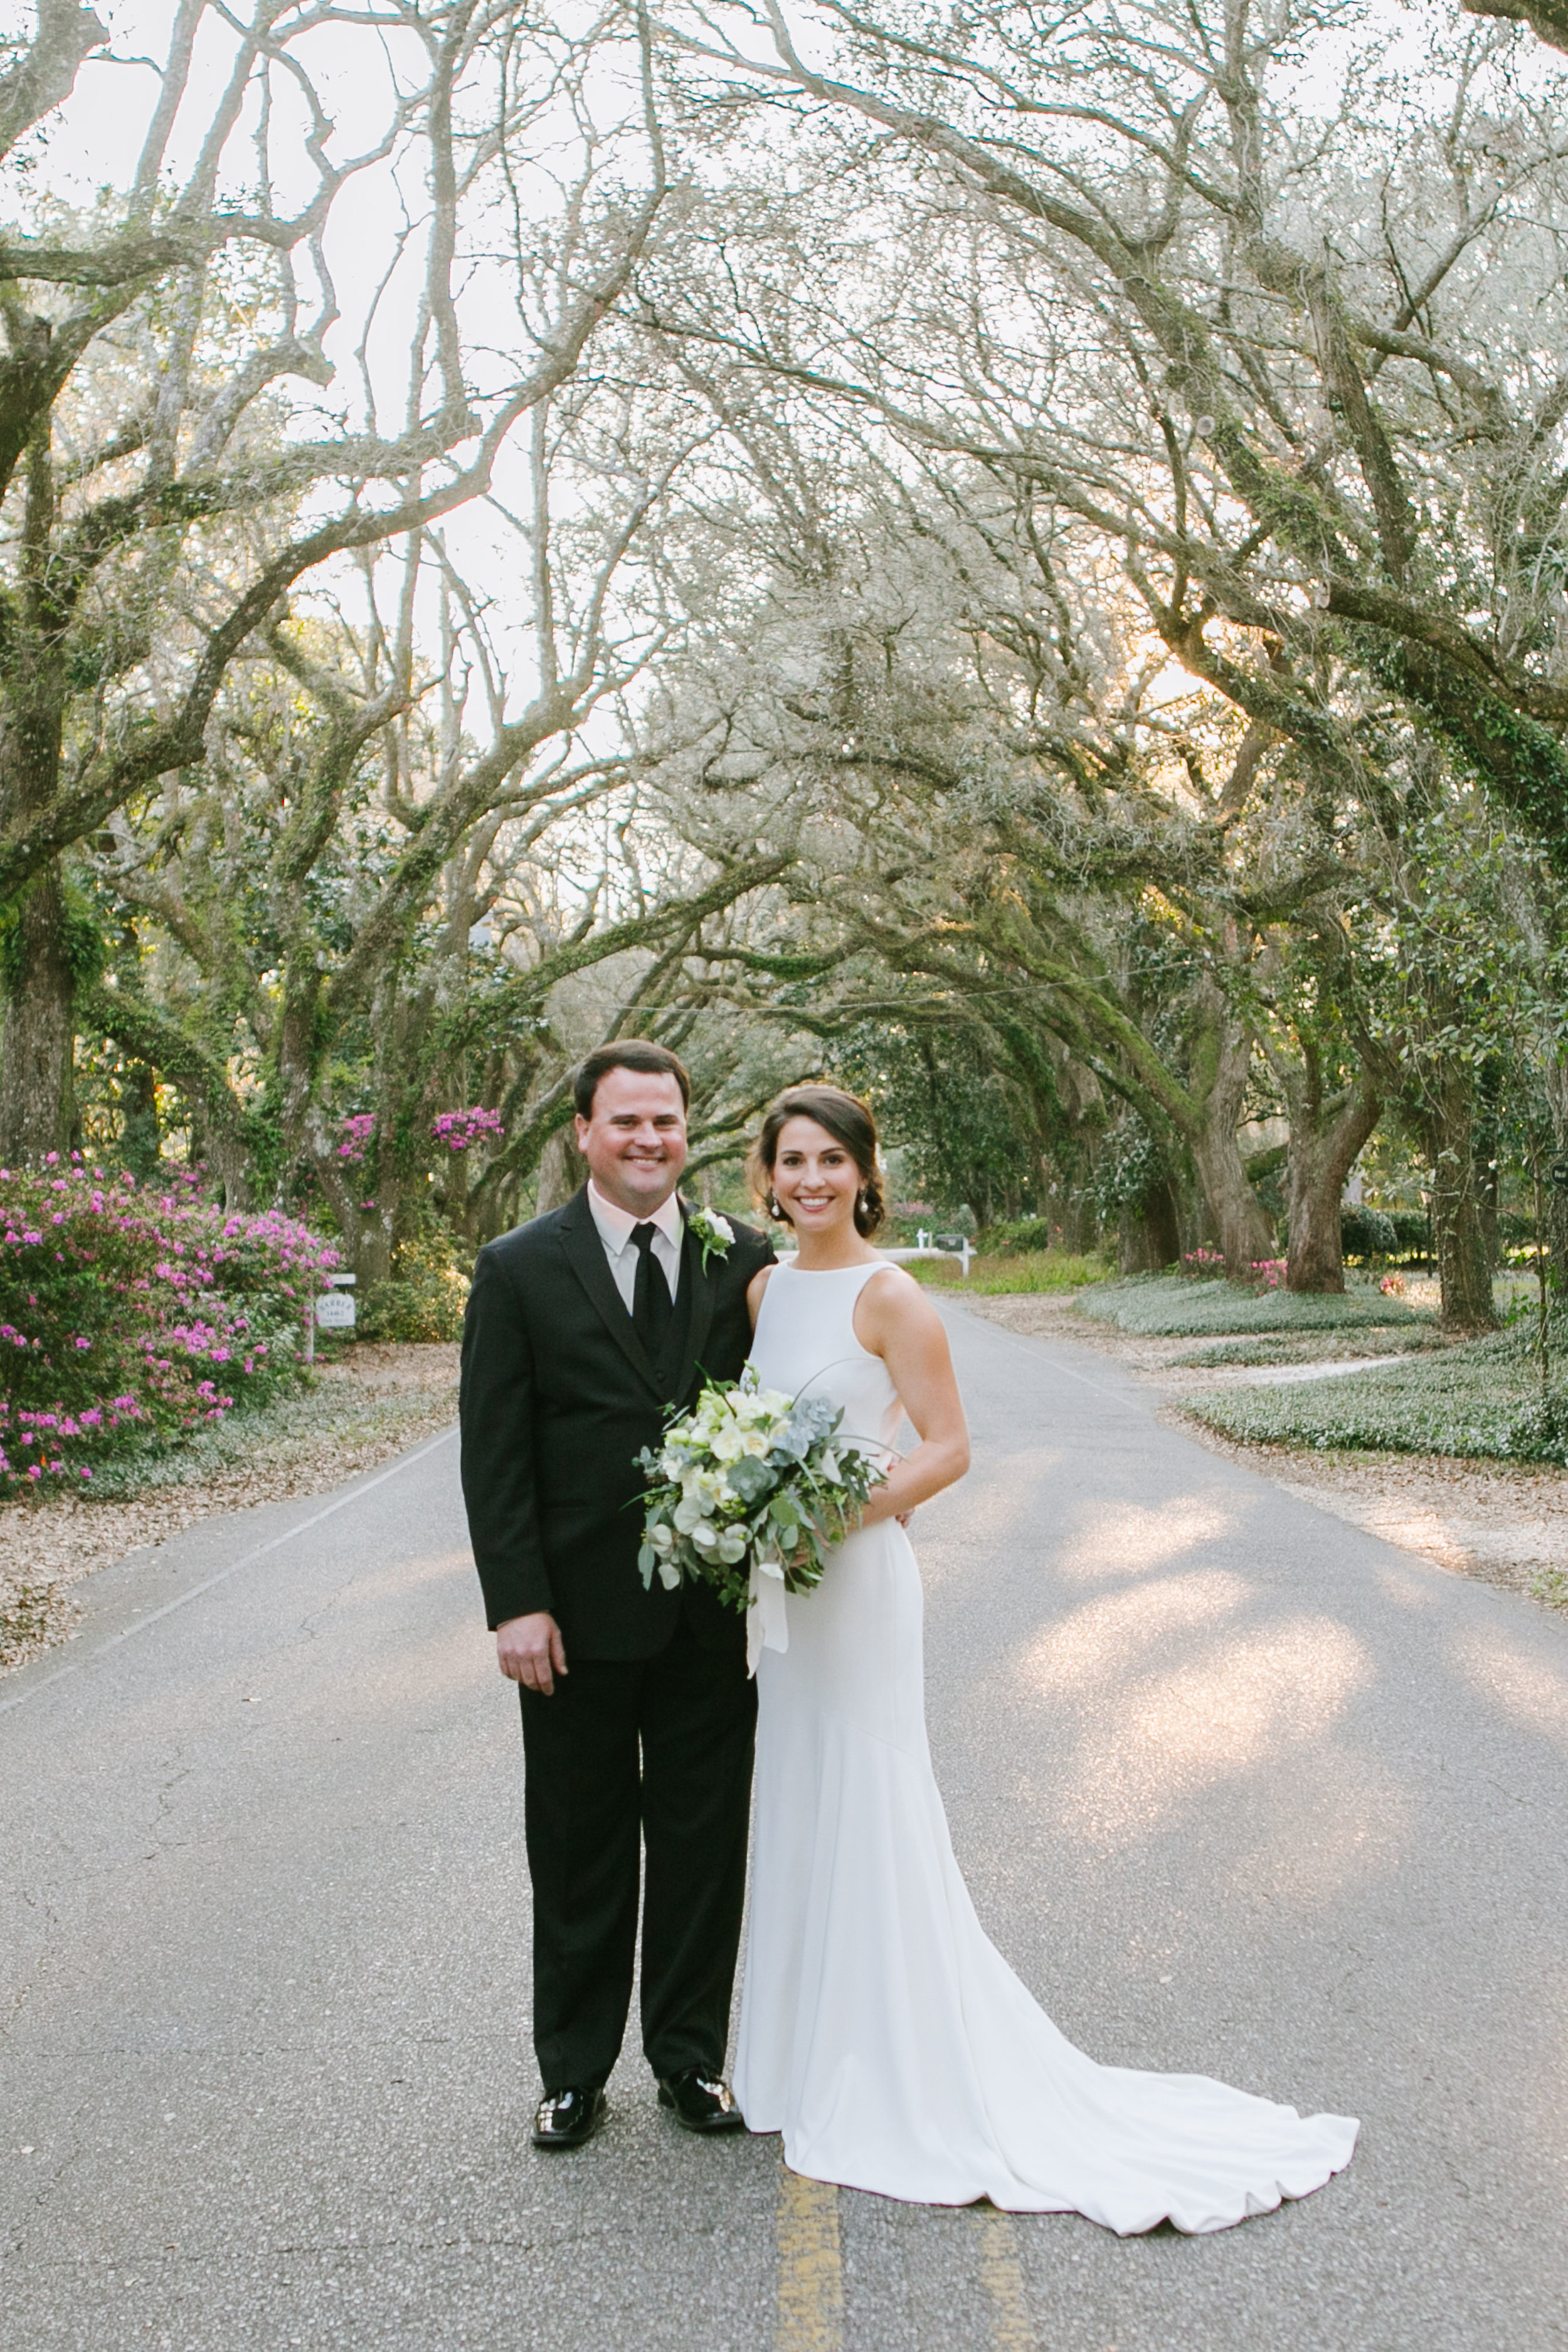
[
  {"x": 362, "y": 1411},
  {"x": 1501, "y": 1523}
]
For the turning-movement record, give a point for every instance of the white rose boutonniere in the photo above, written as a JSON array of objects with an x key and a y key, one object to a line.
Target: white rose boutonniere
[{"x": 715, "y": 1235}]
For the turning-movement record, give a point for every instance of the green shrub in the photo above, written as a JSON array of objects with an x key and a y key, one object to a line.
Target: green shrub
[
  {"x": 1367, "y": 1233},
  {"x": 1026, "y": 1235},
  {"x": 1384, "y": 1233},
  {"x": 425, "y": 1296},
  {"x": 1167, "y": 1306},
  {"x": 1482, "y": 1400}
]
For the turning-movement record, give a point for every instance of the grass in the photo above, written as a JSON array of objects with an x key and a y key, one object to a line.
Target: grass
[
  {"x": 1481, "y": 1400},
  {"x": 1170, "y": 1306},
  {"x": 993, "y": 1276}
]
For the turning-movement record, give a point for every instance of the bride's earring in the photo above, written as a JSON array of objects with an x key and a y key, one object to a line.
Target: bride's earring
[{"x": 773, "y": 1203}]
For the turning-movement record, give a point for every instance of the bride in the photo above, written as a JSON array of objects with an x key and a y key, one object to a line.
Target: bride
[{"x": 881, "y": 2032}]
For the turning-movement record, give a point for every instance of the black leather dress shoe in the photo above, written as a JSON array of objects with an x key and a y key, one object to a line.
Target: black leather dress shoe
[
  {"x": 566, "y": 2118},
  {"x": 703, "y": 2103}
]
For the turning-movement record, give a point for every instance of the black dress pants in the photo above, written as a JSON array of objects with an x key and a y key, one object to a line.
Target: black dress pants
[{"x": 628, "y": 1753}]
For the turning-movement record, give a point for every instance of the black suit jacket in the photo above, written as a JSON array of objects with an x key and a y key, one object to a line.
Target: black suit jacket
[{"x": 558, "y": 1398}]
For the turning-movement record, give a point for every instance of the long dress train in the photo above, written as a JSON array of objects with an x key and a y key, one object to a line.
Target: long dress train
[{"x": 881, "y": 2032}]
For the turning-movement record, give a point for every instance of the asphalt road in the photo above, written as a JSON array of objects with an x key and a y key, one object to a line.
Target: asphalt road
[{"x": 1237, "y": 1789}]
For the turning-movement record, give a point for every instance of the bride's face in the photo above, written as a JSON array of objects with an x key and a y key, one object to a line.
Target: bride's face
[{"x": 815, "y": 1178}]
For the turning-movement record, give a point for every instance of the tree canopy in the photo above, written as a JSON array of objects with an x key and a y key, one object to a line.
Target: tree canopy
[{"x": 1022, "y": 564}]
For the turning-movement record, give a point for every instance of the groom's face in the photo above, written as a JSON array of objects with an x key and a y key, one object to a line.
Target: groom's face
[{"x": 635, "y": 1140}]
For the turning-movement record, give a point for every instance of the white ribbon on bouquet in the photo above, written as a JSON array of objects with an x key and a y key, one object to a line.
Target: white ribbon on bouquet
[{"x": 767, "y": 1617}]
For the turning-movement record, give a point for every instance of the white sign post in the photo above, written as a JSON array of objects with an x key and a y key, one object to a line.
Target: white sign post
[{"x": 332, "y": 1311}]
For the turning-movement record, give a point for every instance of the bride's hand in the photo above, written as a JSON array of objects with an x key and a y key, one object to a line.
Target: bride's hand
[{"x": 875, "y": 1509}]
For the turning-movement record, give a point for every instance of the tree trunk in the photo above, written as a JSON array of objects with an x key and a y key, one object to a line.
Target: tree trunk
[
  {"x": 1151, "y": 1234},
  {"x": 229, "y": 1163},
  {"x": 1244, "y": 1231},
  {"x": 1324, "y": 1141},
  {"x": 562, "y": 1168},
  {"x": 37, "y": 1111},
  {"x": 1488, "y": 1207},
  {"x": 374, "y": 1241},
  {"x": 1080, "y": 1224},
  {"x": 1554, "y": 1192},
  {"x": 140, "y": 1137},
  {"x": 301, "y": 1041},
  {"x": 1486, "y": 1144},
  {"x": 38, "y": 1107},
  {"x": 1464, "y": 1272}
]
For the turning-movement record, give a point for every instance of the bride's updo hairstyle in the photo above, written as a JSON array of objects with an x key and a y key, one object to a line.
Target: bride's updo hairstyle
[{"x": 848, "y": 1120}]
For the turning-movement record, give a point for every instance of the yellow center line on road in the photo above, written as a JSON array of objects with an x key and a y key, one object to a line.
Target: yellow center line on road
[
  {"x": 1004, "y": 2283},
  {"x": 811, "y": 2275}
]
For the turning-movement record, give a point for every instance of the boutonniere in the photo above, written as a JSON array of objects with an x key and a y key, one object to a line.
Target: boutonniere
[{"x": 715, "y": 1235}]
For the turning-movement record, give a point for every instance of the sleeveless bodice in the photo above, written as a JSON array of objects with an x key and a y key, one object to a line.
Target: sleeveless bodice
[{"x": 806, "y": 1345}]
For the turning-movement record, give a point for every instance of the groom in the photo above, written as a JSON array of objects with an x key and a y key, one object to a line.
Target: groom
[{"x": 637, "y": 1716}]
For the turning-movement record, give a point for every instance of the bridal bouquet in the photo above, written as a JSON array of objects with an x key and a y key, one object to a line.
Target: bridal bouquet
[{"x": 750, "y": 1476}]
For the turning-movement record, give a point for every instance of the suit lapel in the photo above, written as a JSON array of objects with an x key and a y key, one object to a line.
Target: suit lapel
[
  {"x": 701, "y": 1304},
  {"x": 585, "y": 1254}
]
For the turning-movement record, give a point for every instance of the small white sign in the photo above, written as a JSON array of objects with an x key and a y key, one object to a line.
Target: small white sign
[{"x": 335, "y": 1311}]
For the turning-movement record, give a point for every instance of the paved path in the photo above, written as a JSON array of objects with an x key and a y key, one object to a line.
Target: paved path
[{"x": 1238, "y": 1789}]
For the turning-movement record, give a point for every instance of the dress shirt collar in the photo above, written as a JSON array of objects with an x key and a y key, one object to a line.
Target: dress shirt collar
[{"x": 616, "y": 1225}]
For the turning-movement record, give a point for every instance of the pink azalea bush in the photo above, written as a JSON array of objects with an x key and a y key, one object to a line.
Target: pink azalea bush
[
  {"x": 458, "y": 1129},
  {"x": 130, "y": 1312},
  {"x": 1203, "y": 1262},
  {"x": 1268, "y": 1273},
  {"x": 357, "y": 1131}
]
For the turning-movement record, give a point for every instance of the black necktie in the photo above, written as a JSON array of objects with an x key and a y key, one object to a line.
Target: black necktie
[{"x": 650, "y": 1296}]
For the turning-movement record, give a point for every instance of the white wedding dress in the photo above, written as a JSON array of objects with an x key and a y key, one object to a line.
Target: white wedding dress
[{"x": 881, "y": 2032}]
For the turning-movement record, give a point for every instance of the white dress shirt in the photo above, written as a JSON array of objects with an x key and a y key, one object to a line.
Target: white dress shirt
[{"x": 617, "y": 1226}]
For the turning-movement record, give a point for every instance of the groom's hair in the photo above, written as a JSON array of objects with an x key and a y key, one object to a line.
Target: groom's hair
[{"x": 625, "y": 1054}]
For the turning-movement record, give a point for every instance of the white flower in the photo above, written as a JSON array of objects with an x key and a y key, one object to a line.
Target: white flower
[{"x": 715, "y": 1235}]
